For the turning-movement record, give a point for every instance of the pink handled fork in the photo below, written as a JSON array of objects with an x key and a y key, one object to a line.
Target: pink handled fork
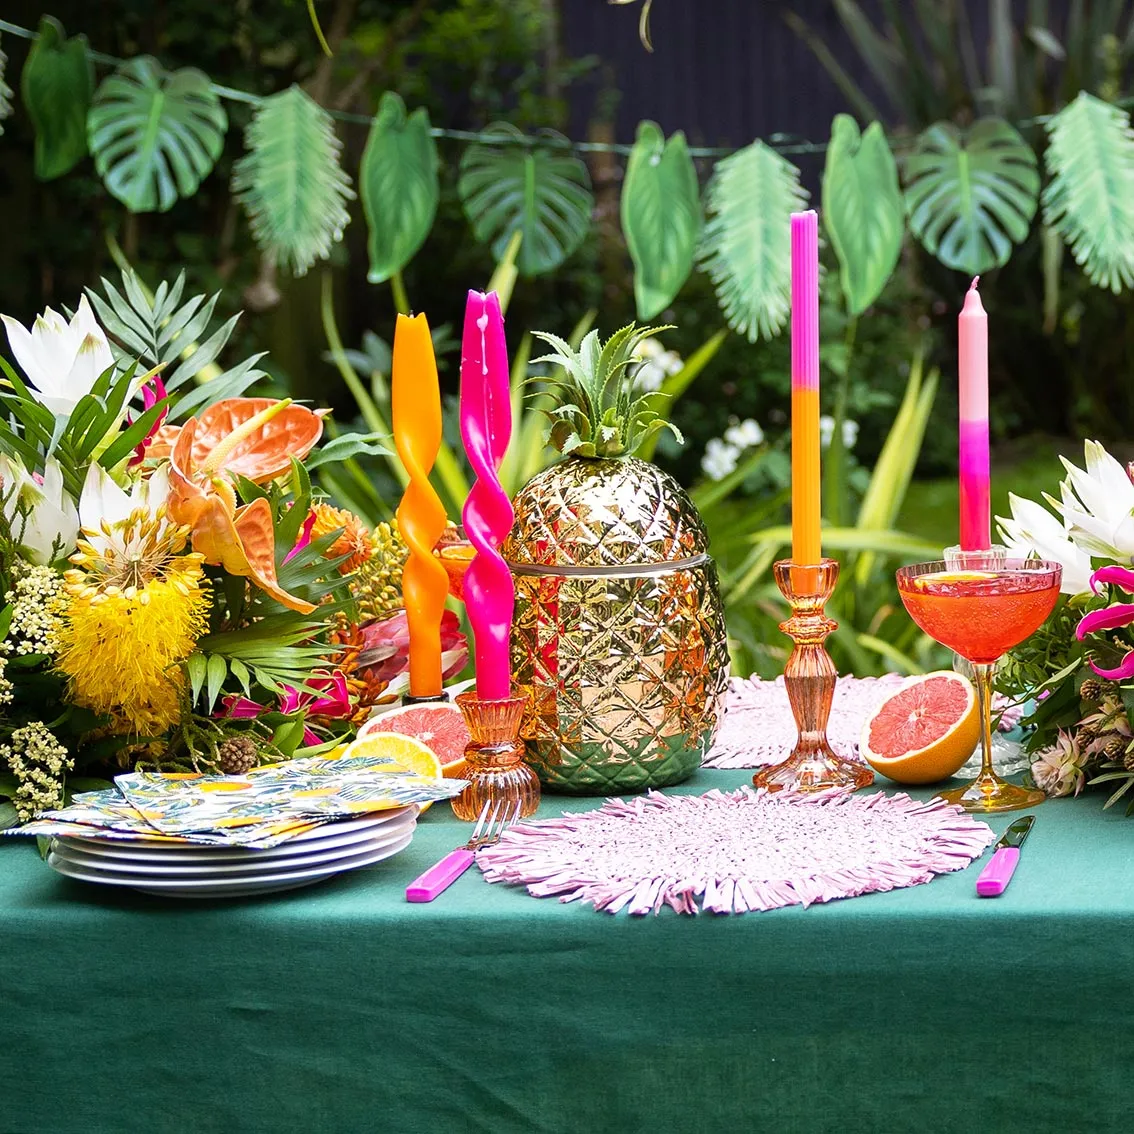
[{"x": 440, "y": 877}]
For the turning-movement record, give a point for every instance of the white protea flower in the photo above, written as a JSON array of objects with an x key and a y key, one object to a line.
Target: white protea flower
[
  {"x": 41, "y": 515},
  {"x": 719, "y": 459},
  {"x": 1097, "y": 504},
  {"x": 745, "y": 435},
  {"x": 61, "y": 360},
  {"x": 1033, "y": 531},
  {"x": 105, "y": 508}
]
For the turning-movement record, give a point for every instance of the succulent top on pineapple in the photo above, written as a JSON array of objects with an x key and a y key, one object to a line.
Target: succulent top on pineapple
[{"x": 598, "y": 412}]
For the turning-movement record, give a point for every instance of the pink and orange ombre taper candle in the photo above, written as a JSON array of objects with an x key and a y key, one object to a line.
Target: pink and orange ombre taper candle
[
  {"x": 486, "y": 428},
  {"x": 972, "y": 393},
  {"x": 805, "y": 499}
]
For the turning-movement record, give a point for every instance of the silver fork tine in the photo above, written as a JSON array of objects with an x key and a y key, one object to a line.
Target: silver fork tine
[
  {"x": 484, "y": 838},
  {"x": 480, "y": 822}
]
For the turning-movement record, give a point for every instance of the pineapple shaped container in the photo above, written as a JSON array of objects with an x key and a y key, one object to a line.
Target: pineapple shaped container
[{"x": 619, "y": 638}]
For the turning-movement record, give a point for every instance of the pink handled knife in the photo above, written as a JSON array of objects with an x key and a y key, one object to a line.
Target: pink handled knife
[{"x": 994, "y": 878}]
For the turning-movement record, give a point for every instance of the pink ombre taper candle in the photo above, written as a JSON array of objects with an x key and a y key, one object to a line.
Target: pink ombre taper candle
[
  {"x": 486, "y": 428},
  {"x": 972, "y": 372},
  {"x": 805, "y": 498}
]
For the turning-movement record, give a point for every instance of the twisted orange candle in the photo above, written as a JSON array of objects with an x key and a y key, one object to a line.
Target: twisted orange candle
[{"x": 416, "y": 402}]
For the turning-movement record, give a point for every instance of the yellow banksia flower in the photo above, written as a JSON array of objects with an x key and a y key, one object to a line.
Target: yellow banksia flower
[
  {"x": 354, "y": 540},
  {"x": 136, "y": 608},
  {"x": 377, "y": 584}
]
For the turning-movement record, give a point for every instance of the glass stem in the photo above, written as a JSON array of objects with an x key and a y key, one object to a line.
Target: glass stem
[{"x": 982, "y": 674}]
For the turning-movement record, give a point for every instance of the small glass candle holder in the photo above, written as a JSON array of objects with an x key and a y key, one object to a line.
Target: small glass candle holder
[
  {"x": 496, "y": 770},
  {"x": 810, "y": 677}
]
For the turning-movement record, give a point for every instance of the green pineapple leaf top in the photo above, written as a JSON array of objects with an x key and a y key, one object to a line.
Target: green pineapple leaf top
[{"x": 597, "y": 410}]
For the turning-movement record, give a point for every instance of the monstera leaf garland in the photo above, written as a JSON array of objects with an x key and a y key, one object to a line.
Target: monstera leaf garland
[
  {"x": 746, "y": 248},
  {"x": 155, "y": 138},
  {"x": 1090, "y": 198},
  {"x": 542, "y": 191},
  {"x": 661, "y": 217},
  {"x": 290, "y": 180},
  {"x": 56, "y": 86},
  {"x": 862, "y": 210},
  {"x": 970, "y": 197},
  {"x": 397, "y": 182}
]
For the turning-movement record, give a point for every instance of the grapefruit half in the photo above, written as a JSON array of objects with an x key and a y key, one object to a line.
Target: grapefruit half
[
  {"x": 440, "y": 727},
  {"x": 924, "y": 731}
]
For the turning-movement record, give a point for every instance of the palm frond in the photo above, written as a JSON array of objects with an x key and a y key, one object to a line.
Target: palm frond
[
  {"x": 1089, "y": 200},
  {"x": 746, "y": 245},
  {"x": 290, "y": 181}
]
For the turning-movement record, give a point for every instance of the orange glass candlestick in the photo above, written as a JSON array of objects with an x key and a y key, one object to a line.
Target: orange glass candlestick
[
  {"x": 496, "y": 770},
  {"x": 416, "y": 404},
  {"x": 810, "y": 677}
]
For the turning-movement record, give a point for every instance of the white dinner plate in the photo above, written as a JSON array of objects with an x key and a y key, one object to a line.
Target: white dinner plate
[
  {"x": 150, "y": 848},
  {"x": 331, "y": 836},
  {"x": 254, "y": 866},
  {"x": 232, "y": 886}
]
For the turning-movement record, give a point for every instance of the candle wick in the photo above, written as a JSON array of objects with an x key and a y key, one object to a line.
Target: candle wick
[
  {"x": 973, "y": 285},
  {"x": 482, "y": 323}
]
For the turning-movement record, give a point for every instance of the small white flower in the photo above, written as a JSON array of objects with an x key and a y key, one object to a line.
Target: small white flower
[
  {"x": 649, "y": 377},
  {"x": 826, "y": 430},
  {"x": 61, "y": 360},
  {"x": 719, "y": 460},
  {"x": 41, "y": 516},
  {"x": 850, "y": 433},
  {"x": 746, "y": 435}
]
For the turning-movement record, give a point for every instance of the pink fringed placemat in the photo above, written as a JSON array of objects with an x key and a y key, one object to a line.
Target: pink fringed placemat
[
  {"x": 757, "y": 726},
  {"x": 735, "y": 852}
]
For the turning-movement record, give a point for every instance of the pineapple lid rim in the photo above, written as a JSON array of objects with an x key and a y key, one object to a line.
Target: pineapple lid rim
[{"x": 609, "y": 571}]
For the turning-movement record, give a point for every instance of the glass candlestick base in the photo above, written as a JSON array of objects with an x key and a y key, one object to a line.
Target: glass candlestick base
[
  {"x": 809, "y": 678},
  {"x": 496, "y": 770}
]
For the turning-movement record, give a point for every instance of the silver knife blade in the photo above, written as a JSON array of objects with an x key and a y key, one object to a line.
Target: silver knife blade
[{"x": 1017, "y": 832}]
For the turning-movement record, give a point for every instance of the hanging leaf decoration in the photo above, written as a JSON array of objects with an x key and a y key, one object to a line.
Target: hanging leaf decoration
[
  {"x": 661, "y": 217},
  {"x": 971, "y": 196},
  {"x": 155, "y": 137},
  {"x": 5, "y": 92},
  {"x": 862, "y": 209},
  {"x": 290, "y": 181},
  {"x": 544, "y": 193},
  {"x": 1089, "y": 200},
  {"x": 746, "y": 249},
  {"x": 397, "y": 182},
  {"x": 56, "y": 86}
]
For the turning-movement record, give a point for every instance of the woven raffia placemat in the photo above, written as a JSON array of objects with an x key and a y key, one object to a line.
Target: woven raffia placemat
[
  {"x": 735, "y": 852},
  {"x": 757, "y": 726}
]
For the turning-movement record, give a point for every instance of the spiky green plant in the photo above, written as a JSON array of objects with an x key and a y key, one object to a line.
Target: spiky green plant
[{"x": 597, "y": 411}]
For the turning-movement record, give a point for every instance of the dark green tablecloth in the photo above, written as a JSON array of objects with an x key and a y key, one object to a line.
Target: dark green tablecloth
[{"x": 342, "y": 1008}]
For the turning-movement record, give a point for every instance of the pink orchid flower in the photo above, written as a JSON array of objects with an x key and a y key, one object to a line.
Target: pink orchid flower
[
  {"x": 331, "y": 700},
  {"x": 241, "y": 708},
  {"x": 1111, "y": 617},
  {"x": 153, "y": 392},
  {"x": 304, "y": 537}
]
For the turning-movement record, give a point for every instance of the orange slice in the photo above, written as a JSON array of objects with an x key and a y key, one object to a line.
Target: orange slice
[
  {"x": 403, "y": 752},
  {"x": 924, "y": 731}
]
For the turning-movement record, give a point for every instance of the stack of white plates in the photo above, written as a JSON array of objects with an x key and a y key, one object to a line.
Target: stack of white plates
[{"x": 192, "y": 870}]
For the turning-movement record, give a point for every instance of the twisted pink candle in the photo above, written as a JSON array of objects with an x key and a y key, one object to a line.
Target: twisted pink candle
[
  {"x": 486, "y": 428},
  {"x": 976, "y": 510}
]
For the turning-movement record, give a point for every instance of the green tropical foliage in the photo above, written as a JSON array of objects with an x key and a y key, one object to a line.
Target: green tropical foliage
[
  {"x": 56, "y": 86},
  {"x": 155, "y": 139},
  {"x": 398, "y": 184},
  {"x": 862, "y": 209},
  {"x": 971, "y": 195},
  {"x": 661, "y": 217},
  {"x": 290, "y": 181},
  {"x": 508, "y": 186},
  {"x": 1090, "y": 198},
  {"x": 746, "y": 249},
  {"x": 5, "y": 92}
]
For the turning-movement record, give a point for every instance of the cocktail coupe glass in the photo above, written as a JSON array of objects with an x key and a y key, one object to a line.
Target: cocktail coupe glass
[{"x": 981, "y": 612}]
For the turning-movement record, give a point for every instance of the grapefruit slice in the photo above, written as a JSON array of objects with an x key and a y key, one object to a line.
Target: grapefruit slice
[
  {"x": 400, "y": 751},
  {"x": 440, "y": 727},
  {"x": 924, "y": 731}
]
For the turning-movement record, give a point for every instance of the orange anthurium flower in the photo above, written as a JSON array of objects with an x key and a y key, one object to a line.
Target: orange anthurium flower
[
  {"x": 241, "y": 540},
  {"x": 262, "y": 453}
]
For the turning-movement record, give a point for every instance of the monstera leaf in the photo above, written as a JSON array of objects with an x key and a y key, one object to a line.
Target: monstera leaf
[
  {"x": 290, "y": 180},
  {"x": 542, "y": 192},
  {"x": 155, "y": 138},
  {"x": 5, "y": 92},
  {"x": 747, "y": 243},
  {"x": 661, "y": 217},
  {"x": 56, "y": 86},
  {"x": 397, "y": 182},
  {"x": 970, "y": 197},
  {"x": 1090, "y": 198},
  {"x": 862, "y": 209}
]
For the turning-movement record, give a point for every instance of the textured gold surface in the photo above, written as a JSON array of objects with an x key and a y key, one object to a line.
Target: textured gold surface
[
  {"x": 626, "y": 672},
  {"x": 604, "y": 513}
]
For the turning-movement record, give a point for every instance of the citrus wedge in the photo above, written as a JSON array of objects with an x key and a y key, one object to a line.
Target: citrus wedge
[
  {"x": 402, "y": 752},
  {"x": 924, "y": 731},
  {"x": 439, "y": 726}
]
